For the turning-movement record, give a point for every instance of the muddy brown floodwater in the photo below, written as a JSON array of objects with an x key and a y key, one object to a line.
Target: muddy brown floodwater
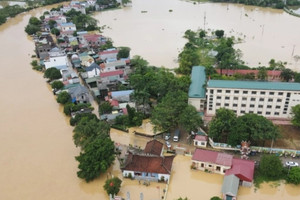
[
  {"x": 36, "y": 148},
  {"x": 156, "y": 34}
]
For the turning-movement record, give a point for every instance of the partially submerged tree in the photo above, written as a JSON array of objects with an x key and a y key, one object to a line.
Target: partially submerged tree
[
  {"x": 294, "y": 176},
  {"x": 63, "y": 98},
  {"x": 271, "y": 167},
  {"x": 112, "y": 186},
  {"x": 52, "y": 73},
  {"x": 97, "y": 157}
]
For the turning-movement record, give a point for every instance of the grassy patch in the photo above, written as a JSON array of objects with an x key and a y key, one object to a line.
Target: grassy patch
[{"x": 259, "y": 178}]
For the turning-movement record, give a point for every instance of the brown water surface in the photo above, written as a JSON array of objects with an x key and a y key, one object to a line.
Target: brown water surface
[
  {"x": 157, "y": 34},
  {"x": 37, "y": 152}
]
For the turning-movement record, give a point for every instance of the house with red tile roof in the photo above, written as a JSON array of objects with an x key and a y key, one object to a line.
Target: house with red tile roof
[
  {"x": 243, "y": 169},
  {"x": 154, "y": 147},
  {"x": 92, "y": 41},
  {"x": 212, "y": 161},
  {"x": 150, "y": 168},
  {"x": 149, "y": 165}
]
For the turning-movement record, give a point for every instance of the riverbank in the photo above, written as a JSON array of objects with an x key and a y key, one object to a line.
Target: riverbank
[{"x": 291, "y": 12}]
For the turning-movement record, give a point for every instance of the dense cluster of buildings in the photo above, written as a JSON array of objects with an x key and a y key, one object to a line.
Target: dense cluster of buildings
[
  {"x": 273, "y": 100},
  {"x": 77, "y": 53}
]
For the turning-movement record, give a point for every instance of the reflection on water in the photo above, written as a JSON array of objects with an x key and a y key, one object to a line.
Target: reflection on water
[{"x": 157, "y": 34}]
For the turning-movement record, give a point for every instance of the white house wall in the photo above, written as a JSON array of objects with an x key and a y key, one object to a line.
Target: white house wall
[{"x": 268, "y": 103}]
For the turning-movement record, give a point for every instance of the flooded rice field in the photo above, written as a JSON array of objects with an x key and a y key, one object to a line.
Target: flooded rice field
[{"x": 154, "y": 29}]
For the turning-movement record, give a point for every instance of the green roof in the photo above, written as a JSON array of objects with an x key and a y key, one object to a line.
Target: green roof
[
  {"x": 256, "y": 85},
  {"x": 198, "y": 80}
]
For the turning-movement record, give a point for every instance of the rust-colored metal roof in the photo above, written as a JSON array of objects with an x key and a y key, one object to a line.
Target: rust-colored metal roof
[
  {"x": 212, "y": 157},
  {"x": 244, "y": 169},
  {"x": 153, "y": 147}
]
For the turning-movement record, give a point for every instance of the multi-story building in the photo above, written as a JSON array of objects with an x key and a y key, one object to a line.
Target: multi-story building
[{"x": 269, "y": 99}]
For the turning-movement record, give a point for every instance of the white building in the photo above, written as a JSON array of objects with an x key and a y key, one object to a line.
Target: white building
[
  {"x": 269, "y": 99},
  {"x": 60, "y": 62},
  {"x": 67, "y": 27}
]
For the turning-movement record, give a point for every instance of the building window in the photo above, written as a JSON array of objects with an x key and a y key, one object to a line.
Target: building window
[
  {"x": 218, "y": 97},
  {"x": 250, "y": 111},
  {"x": 234, "y": 105},
  {"x": 244, "y": 98},
  {"x": 253, "y": 92},
  {"x": 288, "y": 94},
  {"x": 211, "y": 91},
  {"x": 219, "y": 91},
  {"x": 269, "y": 106},
  {"x": 271, "y": 93},
  {"x": 227, "y": 98},
  {"x": 259, "y": 112},
  {"x": 218, "y": 104},
  {"x": 227, "y": 91},
  {"x": 210, "y": 109},
  {"x": 260, "y": 106},
  {"x": 251, "y": 105},
  {"x": 236, "y": 91},
  {"x": 277, "y": 107},
  {"x": 280, "y": 93},
  {"x": 242, "y": 111},
  {"x": 263, "y": 93},
  {"x": 276, "y": 113},
  {"x": 235, "y": 98},
  {"x": 268, "y": 113},
  {"x": 226, "y": 104},
  {"x": 270, "y": 100},
  {"x": 245, "y": 92},
  {"x": 279, "y": 100},
  {"x": 261, "y": 99},
  {"x": 284, "y": 112},
  {"x": 243, "y": 105},
  {"x": 252, "y": 99}
]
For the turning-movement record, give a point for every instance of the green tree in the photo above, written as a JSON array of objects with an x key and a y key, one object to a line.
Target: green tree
[
  {"x": 221, "y": 124},
  {"x": 55, "y": 31},
  {"x": 287, "y": 75},
  {"x": 190, "y": 119},
  {"x": 202, "y": 34},
  {"x": 112, "y": 186},
  {"x": 87, "y": 129},
  {"x": 134, "y": 118},
  {"x": 51, "y": 23},
  {"x": 75, "y": 120},
  {"x": 57, "y": 85},
  {"x": 297, "y": 77},
  {"x": 296, "y": 115},
  {"x": 262, "y": 74},
  {"x": 215, "y": 198},
  {"x": 166, "y": 114},
  {"x": 271, "y": 167},
  {"x": 63, "y": 98},
  {"x": 124, "y": 52},
  {"x": 52, "y": 73},
  {"x": 294, "y": 176},
  {"x": 254, "y": 128},
  {"x": 219, "y": 33},
  {"x": 105, "y": 108},
  {"x": 32, "y": 29},
  {"x": 96, "y": 158},
  {"x": 34, "y": 21}
]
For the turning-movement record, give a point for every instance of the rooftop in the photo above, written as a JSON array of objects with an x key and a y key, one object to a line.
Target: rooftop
[
  {"x": 256, "y": 85},
  {"x": 198, "y": 78},
  {"x": 212, "y": 157},
  {"x": 230, "y": 185},
  {"x": 243, "y": 169},
  {"x": 200, "y": 138},
  {"x": 150, "y": 164},
  {"x": 112, "y": 73},
  {"x": 153, "y": 147}
]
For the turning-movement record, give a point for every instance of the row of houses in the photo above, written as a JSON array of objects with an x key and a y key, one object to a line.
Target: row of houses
[{"x": 273, "y": 100}]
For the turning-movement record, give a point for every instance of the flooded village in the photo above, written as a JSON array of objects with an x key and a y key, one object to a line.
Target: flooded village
[{"x": 88, "y": 78}]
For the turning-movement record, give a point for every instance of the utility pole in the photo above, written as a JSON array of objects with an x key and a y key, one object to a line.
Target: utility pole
[
  {"x": 293, "y": 50},
  {"x": 204, "y": 20}
]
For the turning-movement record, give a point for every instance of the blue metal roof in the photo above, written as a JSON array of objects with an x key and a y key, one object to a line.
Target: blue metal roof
[
  {"x": 257, "y": 85},
  {"x": 67, "y": 24},
  {"x": 198, "y": 80}
]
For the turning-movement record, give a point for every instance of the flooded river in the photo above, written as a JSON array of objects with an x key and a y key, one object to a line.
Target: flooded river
[
  {"x": 37, "y": 152},
  {"x": 156, "y": 33}
]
